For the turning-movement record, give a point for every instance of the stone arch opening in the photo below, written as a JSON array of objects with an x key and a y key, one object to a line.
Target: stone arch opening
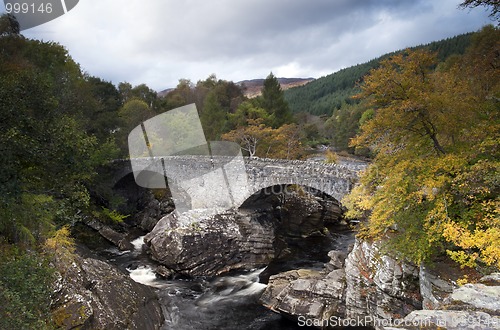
[
  {"x": 126, "y": 189},
  {"x": 307, "y": 224},
  {"x": 140, "y": 200}
]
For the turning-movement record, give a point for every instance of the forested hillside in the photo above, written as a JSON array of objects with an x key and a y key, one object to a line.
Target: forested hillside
[{"x": 327, "y": 94}]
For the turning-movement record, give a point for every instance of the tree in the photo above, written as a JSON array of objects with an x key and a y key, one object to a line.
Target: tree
[
  {"x": 261, "y": 140},
  {"x": 431, "y": 187},
  {"x": 140, "y": 92},
  {"x": 146, "y": 94},
  {"x": 213, "y": 117},
  {"x": 9, "y": 25},
  {"x": 183, "y": 94},
  {"x": 48, "y": 157},
  {"x": 25, "y": 289},
  {"x": 104, "y": 112},
  {"x": 134, "y": 112},
  {"x": 493, "y": 4},
  {"x": 249, "y": 109},
  {"x": 125, "y": 90},
  {"x": 286, "y": 142},
  {"x": 344, "y": 124},
  {"x": 249, "y": 137},
  {"x": 399, "y": 90},
  {"x": 273, "y": 101}
]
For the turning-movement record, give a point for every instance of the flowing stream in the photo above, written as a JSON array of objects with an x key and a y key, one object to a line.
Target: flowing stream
[{"x": 224, "y": 302}]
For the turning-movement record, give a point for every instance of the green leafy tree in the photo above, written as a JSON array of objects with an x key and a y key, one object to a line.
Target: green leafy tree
[
  {"x": 107, "y": 102},
  {"x": 25, "y": 290},
  {"x": 125, "y": 90},
  {"x": 344, "y": 124},
  {"x": 213, "y": 118},
  {"x": 248, "y": 110},
  {"x": 134, "y": 112},
  {"x": 48, "y": 156}
]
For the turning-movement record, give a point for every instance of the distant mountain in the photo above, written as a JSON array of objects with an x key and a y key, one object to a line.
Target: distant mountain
[
  {"x": 325, "y": 95},
  {"x": 252, "y": 88},
  {"x": 164, "y": 92}
]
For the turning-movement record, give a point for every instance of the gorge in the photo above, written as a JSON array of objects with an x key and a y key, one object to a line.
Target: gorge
[{"x": 286, "y": 259}]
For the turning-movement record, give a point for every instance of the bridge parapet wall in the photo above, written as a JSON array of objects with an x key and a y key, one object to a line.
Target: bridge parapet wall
[{"x": 335, "y": 180}]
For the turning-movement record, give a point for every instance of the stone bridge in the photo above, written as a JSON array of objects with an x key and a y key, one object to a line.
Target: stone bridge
[{"x": 204, "y": 182}]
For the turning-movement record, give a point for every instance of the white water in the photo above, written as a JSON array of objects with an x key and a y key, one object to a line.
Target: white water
[
  {"x": 230, "y": 288},
  {"x": 138, "y": 243},
  {"x": 144, "y": 275}
]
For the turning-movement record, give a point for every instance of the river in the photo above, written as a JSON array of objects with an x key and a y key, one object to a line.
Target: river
[{"x": 224, "y": 302}]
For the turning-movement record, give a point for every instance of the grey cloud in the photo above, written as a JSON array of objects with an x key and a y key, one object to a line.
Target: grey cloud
[{"x": 160, "y": 41}]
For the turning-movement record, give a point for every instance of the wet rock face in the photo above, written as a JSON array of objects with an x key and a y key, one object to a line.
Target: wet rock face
[
  {"x": 379, "y": 285},
  {"x": 364, "y": 283},
  {"x": 92, "y": 294},
  {"x": 315, "y": 295},
  {"x": 306, "y": 215},
  {"x": 155, "y": 207}
]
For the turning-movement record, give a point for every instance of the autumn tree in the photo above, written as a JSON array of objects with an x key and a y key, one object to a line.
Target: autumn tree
[
  {"x": 261, "y": 140},
  {"x": 399, "y": 91},
  {"x": 286, "y": 142},
  {"x": 435, "y": 132},
  {"x": 249, "y": 137}
]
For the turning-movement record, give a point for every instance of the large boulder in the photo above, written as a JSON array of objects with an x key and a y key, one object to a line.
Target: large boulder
[
  {"x": 304, "y": 214},
  {"x": 373, "y": 289},
  {"x": 92, "y": 294},
  {"x": 119, "y": 239},
  {"x": 212, "y": 245},
  {"x": 198, "y": 243}
]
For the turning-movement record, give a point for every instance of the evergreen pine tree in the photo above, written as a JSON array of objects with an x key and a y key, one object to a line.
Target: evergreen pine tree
[{"x": 273, "y": 101}]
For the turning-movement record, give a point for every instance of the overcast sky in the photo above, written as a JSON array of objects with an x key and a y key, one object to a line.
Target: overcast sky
[{"x": 158, "y": 42}]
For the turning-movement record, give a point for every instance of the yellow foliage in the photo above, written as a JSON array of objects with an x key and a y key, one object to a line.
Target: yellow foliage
[
  {"x": 331, "y": 157},
  {"x": 61, "y": 239},
  {"x": 463, "y": 280},
  {"x": 261, "y": 140},
  {"x": 61, "y": 245},
  {"x": 436, "y": 135}
]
